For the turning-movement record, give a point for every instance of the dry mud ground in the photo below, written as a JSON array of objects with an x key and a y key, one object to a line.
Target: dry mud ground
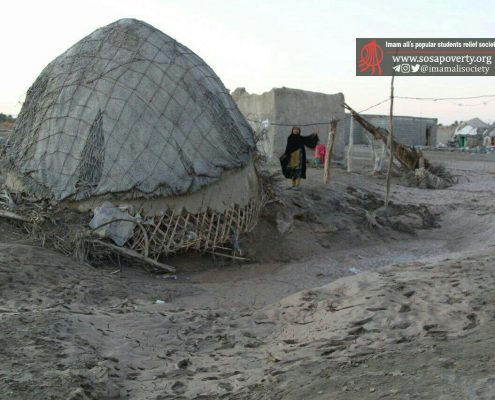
[{"x": 329, "y": 309}]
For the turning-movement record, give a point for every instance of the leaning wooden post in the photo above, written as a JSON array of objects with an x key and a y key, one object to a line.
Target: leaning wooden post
[
  {"x": 328, "y": 154},
  {"x": 351, "y": 143}
]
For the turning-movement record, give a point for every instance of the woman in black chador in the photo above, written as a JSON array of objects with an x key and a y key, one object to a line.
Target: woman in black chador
[{"x": 293, "y": 161}]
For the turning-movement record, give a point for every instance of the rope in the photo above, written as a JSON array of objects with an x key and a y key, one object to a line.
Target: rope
[{"x": 318, "y": 123}]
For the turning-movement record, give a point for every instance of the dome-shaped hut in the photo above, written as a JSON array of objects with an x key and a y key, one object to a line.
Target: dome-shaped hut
[{"x": 131, "y": 116}]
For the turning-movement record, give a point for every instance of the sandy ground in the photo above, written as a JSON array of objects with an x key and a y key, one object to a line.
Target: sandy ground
[{"x": 330, "y": 308}]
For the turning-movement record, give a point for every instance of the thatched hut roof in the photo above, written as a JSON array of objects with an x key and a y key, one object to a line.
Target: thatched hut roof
[{"x": 129, "y": 111}]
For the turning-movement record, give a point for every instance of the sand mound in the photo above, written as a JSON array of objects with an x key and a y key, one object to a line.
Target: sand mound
[{"x": 421, "y": 327}]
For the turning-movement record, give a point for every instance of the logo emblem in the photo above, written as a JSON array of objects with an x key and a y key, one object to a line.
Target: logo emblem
[
  {"x": 406, "y": 68},
  {"x": 371, "y": 57}
]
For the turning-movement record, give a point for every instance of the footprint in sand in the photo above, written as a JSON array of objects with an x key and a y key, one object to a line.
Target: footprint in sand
[
  {"x": 473, "y": 322},
  {"x": 179, "y": 387}
]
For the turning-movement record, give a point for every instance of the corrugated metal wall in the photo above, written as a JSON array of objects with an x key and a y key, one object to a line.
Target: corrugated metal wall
[{"x": 411, "y": 131}]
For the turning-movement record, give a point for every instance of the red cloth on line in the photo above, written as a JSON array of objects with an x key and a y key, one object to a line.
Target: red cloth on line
[{"x": 320, "y": 152}]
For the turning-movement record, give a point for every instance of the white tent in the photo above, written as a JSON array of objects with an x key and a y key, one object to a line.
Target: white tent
[{"x": 472, "y": 127}]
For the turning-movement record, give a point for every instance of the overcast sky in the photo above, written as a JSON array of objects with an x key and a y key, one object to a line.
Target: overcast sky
[{"x": 260, "y": 44}]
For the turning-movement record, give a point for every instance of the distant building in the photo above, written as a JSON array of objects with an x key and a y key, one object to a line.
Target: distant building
[
  {"x": 411, "y": 131},
  {"x": 470, "y": 133},
  {"x": 6, "y": 127},
  {"x": 280, "y": 108},
  {"x": 445, "y": 133},
  {"x": 491, "y": 134}
]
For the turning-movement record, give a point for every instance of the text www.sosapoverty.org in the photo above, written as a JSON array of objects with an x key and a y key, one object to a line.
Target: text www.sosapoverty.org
[{"x": 435, "y": 63}]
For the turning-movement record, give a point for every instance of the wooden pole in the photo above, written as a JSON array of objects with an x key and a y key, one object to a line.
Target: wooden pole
[
  {"x": 390, "y": 141},
  {"x": 328, "y": 154},
  {"x": 134, "y": 254},
  {"x": 351, "y": 143}
]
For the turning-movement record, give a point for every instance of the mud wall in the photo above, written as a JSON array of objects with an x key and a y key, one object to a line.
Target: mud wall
[
  {"x": 445, "y": 133},
  {"x": 237, "y": 187},
  {"x": 283, "y": 106}
]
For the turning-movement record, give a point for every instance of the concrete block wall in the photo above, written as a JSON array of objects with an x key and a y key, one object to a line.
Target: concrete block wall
[{"x": 410, "y": 131}]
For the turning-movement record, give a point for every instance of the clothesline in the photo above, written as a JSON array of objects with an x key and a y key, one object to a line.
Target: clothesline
[{"x": 448, "y": 99}]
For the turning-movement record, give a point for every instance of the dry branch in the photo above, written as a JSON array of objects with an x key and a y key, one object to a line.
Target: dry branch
[
  {"x": 409, "y": 157},
  {"x": 133, "y": 254},
  {"x": 14, "y": 216},
  {"x": 216, "y": 253}
]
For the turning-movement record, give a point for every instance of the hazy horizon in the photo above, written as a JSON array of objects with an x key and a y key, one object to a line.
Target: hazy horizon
[{"x": 259, "y": 45}]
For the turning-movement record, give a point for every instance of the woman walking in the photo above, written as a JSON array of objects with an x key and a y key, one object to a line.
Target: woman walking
[{"x": 293, "y": 161}]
